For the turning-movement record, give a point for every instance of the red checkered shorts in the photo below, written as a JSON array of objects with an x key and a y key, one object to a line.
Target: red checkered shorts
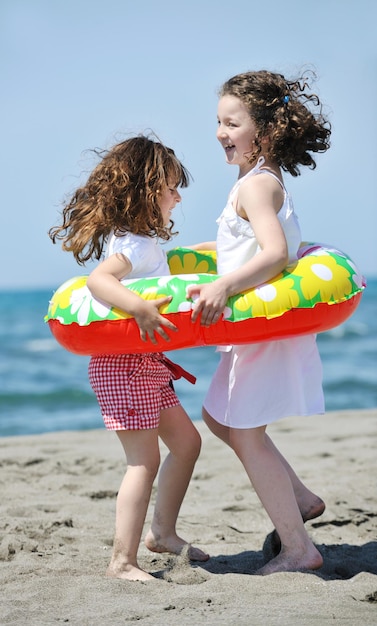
[{"x": 132, "y": 389}]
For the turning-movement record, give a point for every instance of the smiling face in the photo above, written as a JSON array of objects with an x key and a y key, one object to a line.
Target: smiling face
[
  {"x": 236, "y": 132},
  {"x": 168, "y": 197}
]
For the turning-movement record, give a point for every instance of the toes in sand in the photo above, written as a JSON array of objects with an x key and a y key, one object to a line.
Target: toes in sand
[
  {"x": 292, "y": 563},
  {"x": 174, "y": 545},
  {"x": 130, "y": 572}
]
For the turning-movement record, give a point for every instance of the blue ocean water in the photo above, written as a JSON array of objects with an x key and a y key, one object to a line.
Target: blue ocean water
[{"x": 45, "y": 388}]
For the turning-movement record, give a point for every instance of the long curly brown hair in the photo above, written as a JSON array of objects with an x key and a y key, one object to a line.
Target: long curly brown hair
[
  {"x": 285, "y": 111},
  {"x": 120, "y": 195}
]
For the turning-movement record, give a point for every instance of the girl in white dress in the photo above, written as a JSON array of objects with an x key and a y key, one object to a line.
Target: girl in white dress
[{"x": 265, "y": 124}]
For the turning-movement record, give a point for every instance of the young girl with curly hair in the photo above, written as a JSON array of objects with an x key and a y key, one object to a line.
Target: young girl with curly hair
[
  {"x": 266, "y": 124},
  {"x": 127, "y": 203}
]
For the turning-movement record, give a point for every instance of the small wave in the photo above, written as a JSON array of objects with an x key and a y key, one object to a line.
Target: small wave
[
  {"x": 358, "y": 386},
  {"x": 56, "y": 400},
  {"x": 353, "y": 329},
  {"x": 41, "y": 345}
]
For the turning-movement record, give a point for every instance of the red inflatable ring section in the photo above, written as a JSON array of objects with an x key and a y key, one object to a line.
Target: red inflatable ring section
[{"x": 310, "y": 315}]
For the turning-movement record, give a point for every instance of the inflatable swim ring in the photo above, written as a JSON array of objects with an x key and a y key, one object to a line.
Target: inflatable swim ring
[{"x": 317, "y": 292}]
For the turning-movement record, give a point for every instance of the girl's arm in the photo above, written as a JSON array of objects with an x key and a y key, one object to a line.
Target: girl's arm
[
  {"x": 205, "y": 245},
  {"x": 104, "y": 283},
  {"x": 259, "y": 199}
]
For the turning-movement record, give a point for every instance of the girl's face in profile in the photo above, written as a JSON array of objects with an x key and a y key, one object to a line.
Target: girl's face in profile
[
  {"x": 168, "y": 197},
  {"x": 236, "y": 131}
]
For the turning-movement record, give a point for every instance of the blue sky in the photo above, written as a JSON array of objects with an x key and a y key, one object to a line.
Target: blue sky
[{"x": 78, "y": 74}]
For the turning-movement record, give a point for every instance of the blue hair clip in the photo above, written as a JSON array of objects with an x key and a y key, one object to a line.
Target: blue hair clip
[{"x": 286, "y": 99}]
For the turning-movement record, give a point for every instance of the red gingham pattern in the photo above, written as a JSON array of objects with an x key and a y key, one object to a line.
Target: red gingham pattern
[{"x": 131, "y": 389}]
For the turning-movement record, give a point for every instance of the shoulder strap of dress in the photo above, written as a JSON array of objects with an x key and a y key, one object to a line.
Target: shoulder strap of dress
[
  {"x": 254, "y": 170},
  {"x": 265, "y": 171},
  {"x": 257, "y": 169}
]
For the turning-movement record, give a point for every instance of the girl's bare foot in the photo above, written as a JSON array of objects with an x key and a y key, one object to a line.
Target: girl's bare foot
[
  {"x": 291, "y": 562},
  {"x": 127, "y": 572},
  {"x": 312, "y": 510},
  {"x": 174, "y": 545}
]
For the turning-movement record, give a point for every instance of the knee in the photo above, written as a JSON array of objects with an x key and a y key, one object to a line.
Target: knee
[
  {"x": 197, "y": 445},
  {"x": 147, "y": 468},
  {"x": 221, "y": 431},
  {"x": 152, "y": 466},
  {"x": 194, "y": 447},
  {"x": 190, "y": 449}
]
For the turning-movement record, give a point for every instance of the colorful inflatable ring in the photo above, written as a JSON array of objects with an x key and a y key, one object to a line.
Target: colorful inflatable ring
[{"x": 317, "y": 292}]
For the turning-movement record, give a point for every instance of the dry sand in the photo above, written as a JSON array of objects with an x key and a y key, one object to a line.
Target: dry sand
[{"x": 57, "y": 517}]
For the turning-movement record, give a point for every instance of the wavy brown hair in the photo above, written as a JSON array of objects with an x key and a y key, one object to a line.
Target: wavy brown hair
[
  {"x": 287, "y": 113},
  {"x": 120, "y": 195}
]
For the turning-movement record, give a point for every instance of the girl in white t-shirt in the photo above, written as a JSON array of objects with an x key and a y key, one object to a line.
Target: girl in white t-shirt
[{"x": 127, "y": 202}]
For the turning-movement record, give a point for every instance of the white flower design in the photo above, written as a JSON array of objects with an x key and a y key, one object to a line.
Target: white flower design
[
  {"x": 183, "y": 307},
  {"x": 266, "y": 293},
  {"x": 82, "y": 302},
  {"x": 321, "y": 271},
  {"x": 164, "y": 280}
]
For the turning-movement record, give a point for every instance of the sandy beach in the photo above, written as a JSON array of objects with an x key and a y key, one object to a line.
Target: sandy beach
[{"x": 57, "y": 518}]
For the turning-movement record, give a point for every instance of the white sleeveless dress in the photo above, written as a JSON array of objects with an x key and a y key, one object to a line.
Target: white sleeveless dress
[{"x": 256, "y": 384}]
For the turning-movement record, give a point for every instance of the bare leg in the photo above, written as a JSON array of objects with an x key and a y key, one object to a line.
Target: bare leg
[
  {"x": 143, "y": 458},
  {"x": 183, "y": 441},
  {"x": 309, "y": 503},
  {"x": 221, "y": 431},
  {"x": 273, "y": 485}
]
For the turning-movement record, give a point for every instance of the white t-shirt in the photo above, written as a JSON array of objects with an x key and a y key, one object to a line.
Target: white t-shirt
[{"x": 144, "y": 253}]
